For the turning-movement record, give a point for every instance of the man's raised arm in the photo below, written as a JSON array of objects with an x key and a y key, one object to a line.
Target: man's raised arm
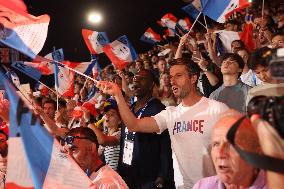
[{"x": 146, "y": 125}]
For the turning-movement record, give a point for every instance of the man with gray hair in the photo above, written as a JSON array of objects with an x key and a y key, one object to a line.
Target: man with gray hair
[{"x": 232, "y": 170}]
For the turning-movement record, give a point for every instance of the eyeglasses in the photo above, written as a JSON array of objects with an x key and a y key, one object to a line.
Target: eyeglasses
[{"x": 70, "y": 140}]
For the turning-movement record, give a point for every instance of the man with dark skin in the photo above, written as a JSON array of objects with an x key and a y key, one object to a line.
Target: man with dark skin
[{"x": 150, "y": 163}]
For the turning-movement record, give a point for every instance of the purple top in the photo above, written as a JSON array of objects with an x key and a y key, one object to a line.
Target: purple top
[{"x": 214, "y": 182}]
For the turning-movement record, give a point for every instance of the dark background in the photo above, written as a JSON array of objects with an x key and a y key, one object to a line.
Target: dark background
[{"x": 125, "y": 17}]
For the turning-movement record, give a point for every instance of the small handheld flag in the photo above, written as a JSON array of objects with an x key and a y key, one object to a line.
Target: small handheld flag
[
  {"x": 120, "y": 52},
  {"x": 95, "y": 41}
]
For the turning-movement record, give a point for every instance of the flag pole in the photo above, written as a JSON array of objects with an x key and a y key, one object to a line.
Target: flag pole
[
  {"x": 56, "y": 88},
  {"x": 6, "y": 69},
  {"x": 57, "y": 62},
  {"x": 262, "y": 11},
  {"x": 48, "y": 87},
  {"x": 201, "y": 24},
  {"x": 194, "y": 22},
  {"x": 205, "y": 22}
]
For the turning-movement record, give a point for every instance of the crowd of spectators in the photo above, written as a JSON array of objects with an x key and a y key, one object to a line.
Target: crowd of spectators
[{"x": 162, "y": 121}]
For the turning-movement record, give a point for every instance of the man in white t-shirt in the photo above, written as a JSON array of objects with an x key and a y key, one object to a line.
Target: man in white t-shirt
[{"x": 189, "y": 123}]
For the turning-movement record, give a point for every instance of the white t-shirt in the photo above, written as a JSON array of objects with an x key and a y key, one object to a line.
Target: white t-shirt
[
  {"x": 250, "y": 79},
  {"x": 190, "y": 132}
]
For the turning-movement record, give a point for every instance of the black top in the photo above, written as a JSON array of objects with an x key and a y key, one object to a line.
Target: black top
[
  {"x": 207, "y": 87},
  {"x": 152, "y": 156}
]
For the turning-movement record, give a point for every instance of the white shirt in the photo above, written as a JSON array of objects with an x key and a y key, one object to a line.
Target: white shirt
[
  {"x": 250, "y": 79},
  {"x": 190, "y": 132}
]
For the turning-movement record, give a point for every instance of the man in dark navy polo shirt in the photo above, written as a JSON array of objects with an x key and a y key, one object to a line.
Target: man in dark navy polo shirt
[{"x": 146, "y": 159}]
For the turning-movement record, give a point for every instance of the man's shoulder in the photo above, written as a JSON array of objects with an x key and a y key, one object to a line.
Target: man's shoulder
[
  {"x": 214, "y": 103},
  {"x": 109, "y": 178},
  {"x": 213, "y": 107},
  {"x": 216, "y": 92},
  {"x": 155, "y": 105}
]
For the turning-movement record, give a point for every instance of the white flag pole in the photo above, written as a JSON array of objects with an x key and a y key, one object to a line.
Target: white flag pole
[
  {"x": 201, "y": 24},
  {"x": 76, "y": 71},
  {"x": 194, "y": 22},
  {"x": 48, "y": 87},
  {"x": 262, "y": 11},
  {"x": 56, "y": 88},
  {"x": 205, "y": 22}
]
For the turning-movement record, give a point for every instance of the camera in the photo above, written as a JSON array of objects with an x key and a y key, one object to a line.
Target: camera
[
  {"x": 270, "y": 109},
  {"x": 276, "y": 64}
]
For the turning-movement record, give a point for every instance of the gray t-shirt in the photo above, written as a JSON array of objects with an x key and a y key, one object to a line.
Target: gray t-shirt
[{"x": 233, "y": 96}]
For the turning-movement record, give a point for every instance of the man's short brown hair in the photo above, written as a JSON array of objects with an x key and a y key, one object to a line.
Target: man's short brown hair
[{"x": 192, "y": 67}]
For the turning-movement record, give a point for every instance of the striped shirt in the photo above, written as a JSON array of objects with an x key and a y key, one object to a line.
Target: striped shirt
[{"x": 111, "y": 153}]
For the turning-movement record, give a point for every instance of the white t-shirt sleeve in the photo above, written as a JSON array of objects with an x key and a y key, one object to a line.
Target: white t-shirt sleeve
[{"x": 161, "y": 120}]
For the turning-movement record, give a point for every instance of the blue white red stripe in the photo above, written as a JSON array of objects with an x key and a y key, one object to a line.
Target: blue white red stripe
[
  {"x": 120, "y": 52},
  {"x": 218, "y": 11},
  {"x": 169, "y": 21},
  {"x": 150, "y": 36},
  {"x": 95, "y": 41},
  {"x": 47, "y": 166},
  {"x": 23, "y": 32}
]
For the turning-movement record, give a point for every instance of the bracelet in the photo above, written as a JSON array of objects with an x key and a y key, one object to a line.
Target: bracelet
[{"x": 205, "y": 70}]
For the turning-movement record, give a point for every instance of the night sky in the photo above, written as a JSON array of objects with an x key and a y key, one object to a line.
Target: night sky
[{"x": 125, "y": 17}]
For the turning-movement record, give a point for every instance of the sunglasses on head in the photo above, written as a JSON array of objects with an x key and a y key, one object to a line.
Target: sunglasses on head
[{"x": 70, "y": 139}]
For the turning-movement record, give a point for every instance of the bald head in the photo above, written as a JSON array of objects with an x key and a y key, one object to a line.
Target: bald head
[{"x": 246, "y": 137}]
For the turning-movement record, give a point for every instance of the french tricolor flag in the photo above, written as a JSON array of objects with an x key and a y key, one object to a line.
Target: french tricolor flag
[
  {"x": 97, "y": 68},
  {"x": 220, "y": 11},
  {"x": 169, "y": 33},
  {"x": 225, "y": 38},
  {"x": 64, "y": 80},
  {"x": 83, "y": 67},
  {"x": 150, "y": 36},
  {"x": 28, "y": 70},
  {"x": 35, "y": 158},
  {"x": 44, "y": 67},
  {"x": 194, "y": 8},
  {"x": 95, "y": 41},
  {"x": 120, "y": 52},
  {"x": 169, "y": 21},
  {"x": 22, "y": 31},
  {"x": 242, "y": 5},
  {"x": 184, "y": 24}
]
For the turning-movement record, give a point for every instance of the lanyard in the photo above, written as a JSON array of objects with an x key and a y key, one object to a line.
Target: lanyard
[
  {"x": 140, "y": 113},
  {"x": 143, "y": 109}
]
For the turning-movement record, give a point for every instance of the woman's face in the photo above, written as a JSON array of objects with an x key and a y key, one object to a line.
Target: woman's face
[{"x": 165, "y": 80}]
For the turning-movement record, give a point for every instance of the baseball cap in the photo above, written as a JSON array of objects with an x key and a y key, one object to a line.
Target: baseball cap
[{"x": 110, "y": 104}]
